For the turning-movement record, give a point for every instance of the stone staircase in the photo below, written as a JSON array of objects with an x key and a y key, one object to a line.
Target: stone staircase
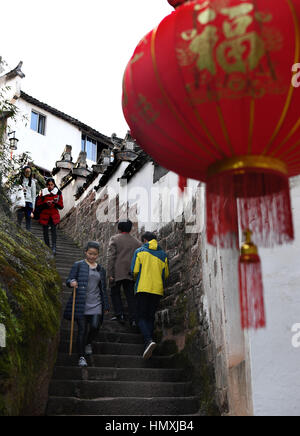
[{"x": 118, "y": 381}]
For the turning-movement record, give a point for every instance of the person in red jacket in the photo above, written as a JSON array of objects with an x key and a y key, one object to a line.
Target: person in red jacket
[{"x": 50, "y": 200}]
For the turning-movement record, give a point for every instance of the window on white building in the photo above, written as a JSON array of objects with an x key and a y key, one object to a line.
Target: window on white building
[
  {"x": 38, "y": 122},
  {"x": 89, "y": 145}
]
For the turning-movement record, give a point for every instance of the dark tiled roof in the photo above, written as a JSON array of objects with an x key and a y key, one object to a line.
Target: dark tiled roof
[
  {"x": 85, "y": 128},
  {"x": 15, "y": 72},
  {"x": 111, "y": 169},
  {"x": 132, "y": 169},
  {"x": 135, "y": 166}
]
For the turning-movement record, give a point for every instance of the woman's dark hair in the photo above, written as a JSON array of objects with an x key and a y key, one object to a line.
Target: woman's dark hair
[
  {"x": 92, "y": 244},
  {"x": 50, "y": 179},
  {"x": 125, "y": 226},
  {"x": 22, "y": 176},
  {"x": 148, "y": 236}
]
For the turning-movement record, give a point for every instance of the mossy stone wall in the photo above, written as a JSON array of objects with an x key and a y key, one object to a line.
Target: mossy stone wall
[{"x": 30, "y": 294}]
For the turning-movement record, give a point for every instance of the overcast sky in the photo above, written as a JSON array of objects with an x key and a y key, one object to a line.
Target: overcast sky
[{"x": 75, "y": 52}]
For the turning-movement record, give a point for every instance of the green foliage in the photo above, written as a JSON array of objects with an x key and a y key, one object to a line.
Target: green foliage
[
  {"x": 30, "y": 310},
  {"x": 10, "y": 163},
  {"x": 13, "y": 177}
]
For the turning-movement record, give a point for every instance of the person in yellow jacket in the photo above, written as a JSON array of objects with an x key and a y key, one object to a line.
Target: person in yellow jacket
[{"x": 150, "y": 269}]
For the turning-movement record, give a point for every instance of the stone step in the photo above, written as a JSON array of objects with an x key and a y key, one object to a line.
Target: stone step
[
  {"x": 68, "y": 254},
  {"x": 109, "y": 348},
  {"x": 70, "y": 251},
  {"x": 38, "y": 231},
  {"x": 107, "y": 336},
  {"x": 64, "y": 260},
  {"x": 88, "y": 389},
  {"x": 123, "y": 406},
  {"x": 118, "y": 374},
  {"x": 117, "y": 380},
  {"x": 116, "y": 361},
  {"x": 63, "y": 270},
  {"x": 60, "y": 238},
  {"x": 108, "y": 326}
]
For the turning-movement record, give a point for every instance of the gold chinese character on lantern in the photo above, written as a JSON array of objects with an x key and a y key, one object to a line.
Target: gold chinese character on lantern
[
  {"x": 237, "y": 41},
  {"x": 240, "y": 52}
]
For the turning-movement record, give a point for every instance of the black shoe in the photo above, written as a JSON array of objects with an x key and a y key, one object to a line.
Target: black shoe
[
  {"x": 133, "y": 326},
  {"x": 121, "y": 319}
]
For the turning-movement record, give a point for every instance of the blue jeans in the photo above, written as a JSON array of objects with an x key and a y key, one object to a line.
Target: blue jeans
[{"x": 147, "y": 305}]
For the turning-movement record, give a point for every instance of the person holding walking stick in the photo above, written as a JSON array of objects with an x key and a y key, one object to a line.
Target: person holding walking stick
[{"x": 88, "y": 302}]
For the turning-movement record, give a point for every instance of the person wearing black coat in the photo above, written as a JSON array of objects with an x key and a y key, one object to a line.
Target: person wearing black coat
[{"x": 91, "y": 299}]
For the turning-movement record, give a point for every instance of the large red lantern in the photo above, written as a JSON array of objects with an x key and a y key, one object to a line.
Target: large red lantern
[{"x": 209, "y": 95}]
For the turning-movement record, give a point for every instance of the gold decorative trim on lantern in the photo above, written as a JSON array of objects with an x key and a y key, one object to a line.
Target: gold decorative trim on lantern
[
  {"x": 241, "y": 164},
  {"x": 248, "y": 249}
]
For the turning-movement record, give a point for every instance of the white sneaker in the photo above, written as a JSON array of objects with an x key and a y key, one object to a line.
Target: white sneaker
[
  {"x": 149, "y": 350},
  {"x": 88, "y": 349},
  {"x": 82, "y": 362}
]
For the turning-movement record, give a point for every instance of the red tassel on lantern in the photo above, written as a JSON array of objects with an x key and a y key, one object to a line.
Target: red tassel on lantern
[
  {"x": 182, "y": 182},
  {"x": 251, "y": 286},
  {"x": 249, "y": 191}
]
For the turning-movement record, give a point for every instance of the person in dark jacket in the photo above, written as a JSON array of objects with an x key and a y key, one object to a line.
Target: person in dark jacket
[
  {"x": 91, "y": 299},
  {"x": 120, "y": 251},
  {"x": 50, "y": 200}
]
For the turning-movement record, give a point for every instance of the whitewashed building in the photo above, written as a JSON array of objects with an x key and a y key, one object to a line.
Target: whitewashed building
[
  {"x": 44, "y": 131},
  {"x": 47, "y": 131}
]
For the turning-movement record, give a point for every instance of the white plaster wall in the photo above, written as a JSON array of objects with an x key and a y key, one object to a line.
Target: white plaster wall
[
  {"x": 45, "y": 149},
  {"x": 156, "y": 204},
  {"x": 68, "y": 197},
  {"x": 275, "y": 363},
  {"x": 159, "y": 203}
]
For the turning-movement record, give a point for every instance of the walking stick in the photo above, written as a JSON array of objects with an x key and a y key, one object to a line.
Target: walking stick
[{"x": 72, "y": 322}]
